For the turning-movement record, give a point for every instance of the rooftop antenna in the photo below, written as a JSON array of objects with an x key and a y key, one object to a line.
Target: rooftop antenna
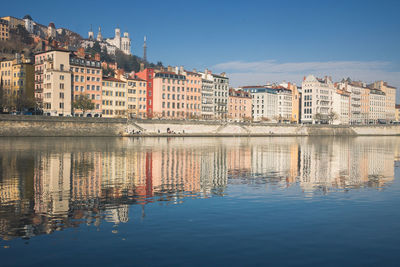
[{"x": 145, "y": 49}]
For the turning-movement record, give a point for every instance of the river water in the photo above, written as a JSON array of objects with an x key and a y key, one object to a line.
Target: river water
[{"x": 200, "y": 201}]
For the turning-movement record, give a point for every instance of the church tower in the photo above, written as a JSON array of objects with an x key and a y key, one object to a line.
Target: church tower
[
  {"x": 99, "y": 37},
  {"x": 91, "y": 33}
]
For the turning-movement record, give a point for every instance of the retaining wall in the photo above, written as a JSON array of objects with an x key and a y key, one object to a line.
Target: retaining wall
[{"x": 71, "y": 126}]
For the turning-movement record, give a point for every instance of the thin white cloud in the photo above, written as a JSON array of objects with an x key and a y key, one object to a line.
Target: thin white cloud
[{"x": 260, "y": 72}]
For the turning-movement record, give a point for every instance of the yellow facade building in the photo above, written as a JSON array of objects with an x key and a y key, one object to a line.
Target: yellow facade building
[
  {"x": 296, "y": 98},
  {"x": 13, "y": 22},
  {"x": 17, "y": 78},
  {"x": 6, "y": 75},
  {"x": 114, "y": 98},
  {"x": 4, "y": 30}
]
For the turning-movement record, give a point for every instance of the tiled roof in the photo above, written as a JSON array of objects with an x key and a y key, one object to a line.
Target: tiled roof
[
  {"x": 112, "y": 79},
  {"x": 136, "y": 78}
]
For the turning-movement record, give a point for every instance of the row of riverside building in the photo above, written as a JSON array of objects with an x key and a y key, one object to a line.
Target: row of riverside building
[
  {"x": 58, "y": 77},
  {"x": 61, "y": 76},
  {"x": 320, "y": 100}
]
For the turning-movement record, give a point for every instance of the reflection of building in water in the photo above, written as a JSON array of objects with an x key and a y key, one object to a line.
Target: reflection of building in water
[
  {"x": 86, "y": 176},
  {"x": 277, "y": 159},
  {"x": 119, "y": 214},
  {"x": 45, "y": 191},
  {"x": 239, "y": 160},
  {"x": 137, "y": 166},
  {"x": 176, "y": 169},
  {"x": 10, "y": 184},
  {"x": 343, "y": 163},
  {"x": 52, "y": 181},
  {"x": 213, "y": 169}
]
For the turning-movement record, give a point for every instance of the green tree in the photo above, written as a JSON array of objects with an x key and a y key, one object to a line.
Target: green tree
[
  {"x": 108, "y": 72},
  {"x": 83, "y": 103},
  {"x": 24, "y": 102},
  {"x": 23, "y": 34}
]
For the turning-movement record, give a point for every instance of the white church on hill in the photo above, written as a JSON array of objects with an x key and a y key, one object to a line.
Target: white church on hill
[{"x": 122, "y": 43}]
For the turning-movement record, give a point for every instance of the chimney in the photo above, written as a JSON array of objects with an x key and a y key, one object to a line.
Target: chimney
[
  {"x": 176, "y": 70},
  {"x": 141, "y": 66},
  {"x": 194, "y": 70},
  {"x": 81, "y": 52},
  {"x": 181, "y": 69},
  {"x": 288, "y": 85},
  {"x": 97, "y": 57},
  {"x": 223, "y": 74},
  {"x": 169, "y": 69},
  {"x": 304, "y": 78}
]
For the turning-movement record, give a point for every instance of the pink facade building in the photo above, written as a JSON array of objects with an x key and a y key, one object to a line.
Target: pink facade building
[{"x": 239, "y": 105}]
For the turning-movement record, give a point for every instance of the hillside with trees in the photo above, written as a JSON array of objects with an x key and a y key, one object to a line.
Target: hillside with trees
[{"x": 127, "y": 62}]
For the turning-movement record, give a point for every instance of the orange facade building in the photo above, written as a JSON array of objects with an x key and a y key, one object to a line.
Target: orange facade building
[
  {"x": 193, "y": 94},
  {"x": 87, "y": 80}
]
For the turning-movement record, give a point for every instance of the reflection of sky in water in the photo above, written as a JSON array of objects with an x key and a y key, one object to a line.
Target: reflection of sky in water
[{"x": 91, "y": 187}]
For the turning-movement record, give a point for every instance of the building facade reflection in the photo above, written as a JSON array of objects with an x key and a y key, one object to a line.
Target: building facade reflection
[{"x": 55, "y": 184}]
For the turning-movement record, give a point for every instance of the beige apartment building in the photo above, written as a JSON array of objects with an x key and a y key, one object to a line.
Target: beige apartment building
[
  {"x": 53, "y": 82},
  {"x": 390, "y": 101},
  {"x": 341, "y": 106},
  {"x": 377, "y": 106},
  {"x": 136, "y": 97},
  {"x": 114, "y": 98}
]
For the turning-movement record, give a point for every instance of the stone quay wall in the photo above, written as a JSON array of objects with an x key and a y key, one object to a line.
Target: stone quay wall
[{"x": 43, "y": 126}]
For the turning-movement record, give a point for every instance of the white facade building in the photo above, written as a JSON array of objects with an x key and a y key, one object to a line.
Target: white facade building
[
  {"x": 341, "y": 107},
  {"x": 221, "y": 91},
  {"x": 317, "y": 99},
  {"x": 207, "y": 95},
  {"x": 264, "y": 103},
  {"x": 377, "y": 106},
  {"x": 284, "y": 104},
  {"x": 355, "y": 89}
]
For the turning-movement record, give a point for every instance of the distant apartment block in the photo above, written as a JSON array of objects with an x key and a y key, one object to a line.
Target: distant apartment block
[{"x": 4, "y": 30}]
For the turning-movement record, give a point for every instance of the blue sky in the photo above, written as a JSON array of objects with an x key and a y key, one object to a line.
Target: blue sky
[{"x": 253, "y": 41}]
